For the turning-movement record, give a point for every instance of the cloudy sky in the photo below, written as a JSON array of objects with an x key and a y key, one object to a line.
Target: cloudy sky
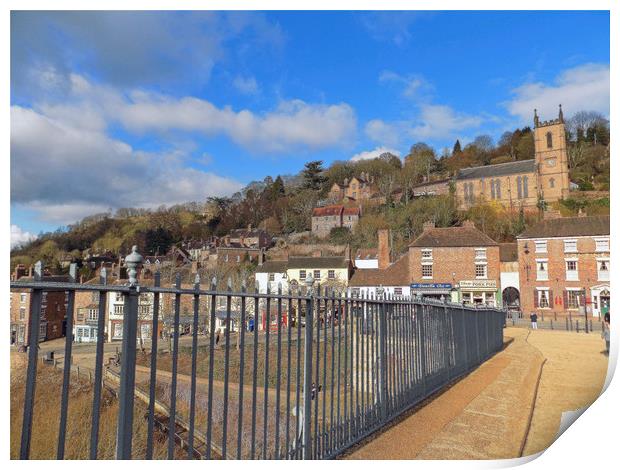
[{"x": 139, "y": 109}]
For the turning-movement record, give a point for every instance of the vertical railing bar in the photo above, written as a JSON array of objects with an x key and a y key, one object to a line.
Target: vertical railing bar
[
  {"x": 340, "y": 317},
  {"x": 228, "y": 327},
  {"x": 316, "y": 377},
  {"x": 278, "y": 374},
  {"x": 323, "y": 395},
  {"x": 346, "y": 415},
  {"x": 266, "y": 372},
  {"x": 153, "y": 372},
  {"x": 331, "y": 412},
  {"x": 242, "y": 328},
  {"x": 211, "y": 365},
  {"x": 298, "y": 430},
  {"x": 96, "y": 409},
  {"x": 192, "y": 405},
  {"x": 66, "y": 372},
  {"x": 289, "y": 325},
  {"x": 307, "y": 440},
  {"x": 254, "y": 375},
  {"x": 360, "y": 373},
  {"x": 175, "y": 360}
]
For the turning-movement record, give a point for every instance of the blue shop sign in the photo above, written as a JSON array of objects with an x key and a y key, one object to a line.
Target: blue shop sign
[{"x": 426, "y": 285}]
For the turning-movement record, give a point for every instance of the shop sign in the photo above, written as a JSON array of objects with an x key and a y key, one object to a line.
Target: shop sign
[
  {"x": 426, "y": 285},
  {"x": 478, "y": 284}
]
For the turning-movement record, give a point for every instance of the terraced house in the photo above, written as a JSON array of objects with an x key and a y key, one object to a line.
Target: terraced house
[{"x": 564, "y": 266}]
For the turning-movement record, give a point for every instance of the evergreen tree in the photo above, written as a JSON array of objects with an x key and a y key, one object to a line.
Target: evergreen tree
[
  {"x": 457, "y": 148},
  {"x": 313, "y": 175}
]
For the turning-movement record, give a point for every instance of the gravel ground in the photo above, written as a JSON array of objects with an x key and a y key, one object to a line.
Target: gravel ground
[{"x": 486, "y": 414}]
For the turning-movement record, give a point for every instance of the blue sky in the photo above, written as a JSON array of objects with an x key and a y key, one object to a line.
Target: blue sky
[{"x": 120, "y": 109}]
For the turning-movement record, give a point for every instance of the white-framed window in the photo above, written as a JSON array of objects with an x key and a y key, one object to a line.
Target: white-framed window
[
  {"x": 427, "y": 271},
  {"x": 272, "y": 277},
  {"x": 571, "y": 270},
  {"x": 481, "y": 253},
  {"x": 543, "y": 298},
  {"x": 427, "y": 254},
  {"x": 603, "y": 269},
  {"x": 22, "y": 298},
  {"x": 331, "y": 274},
  {"x": 572, "y": 299},
  {"x": 602, "y": 244},
  {"x": 118, "y": 309},
  {"x": 302, "y": 274},
  {"x": 93, "y": 314},
  {"x": 481, "y": 270},
  {"x": 317, "y": 274},
  {"x": 119, "y": 297},
  {"x": 570, "y": 246},
  {"x": 22, "y": 313},
  {"x": 542, "y": 273},
  {"x": 398, "y": 291},
  {"x": 541, "y": 246},
  {"x": 42, "y": 331}
]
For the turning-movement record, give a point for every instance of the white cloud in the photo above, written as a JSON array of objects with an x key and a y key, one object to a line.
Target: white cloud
[
  {"x": 441, "y": 121},
  {"x": 64, "y": 172},
  {"x": 291, "y": 125},
  {"x": 382, "y": 132},
  {"x": 582, "y": 88},
  {"x": 19, "y": 237},
  {"x": 246, "y": 85},
  {"x": 370, "y": 154}
]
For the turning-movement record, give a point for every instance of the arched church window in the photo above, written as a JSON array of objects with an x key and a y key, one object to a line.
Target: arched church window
[
  {"x": 519, "y": 188},
  {"x": 498, "y": 189},
  {"x": 525, "y": 186},
  {"x": 549, "y": 140}
]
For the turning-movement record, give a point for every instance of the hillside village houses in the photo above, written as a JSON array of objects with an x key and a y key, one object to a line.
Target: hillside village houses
[
  {"x": 326, "y": 218},
  {"x": 564, "y": 266}
]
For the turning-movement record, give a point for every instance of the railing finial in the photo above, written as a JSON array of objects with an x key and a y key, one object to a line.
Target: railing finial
[{"x": 133, "y": 262}]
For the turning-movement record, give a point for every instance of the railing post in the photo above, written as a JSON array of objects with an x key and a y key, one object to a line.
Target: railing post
[
  {"x": 31, "y": 373},
  {"x": 124, "y": 430},
  {"x": 307, "y": 390}
]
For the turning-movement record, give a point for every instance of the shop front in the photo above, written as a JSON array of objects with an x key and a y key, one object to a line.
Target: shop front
[
  {"x": 601, "y": 298},
  {"x": 435, "y": 291},
  {"x": 479, "y": 292}
]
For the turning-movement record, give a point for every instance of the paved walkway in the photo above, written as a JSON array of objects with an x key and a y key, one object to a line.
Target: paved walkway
[{"x": 486, "y": 414}]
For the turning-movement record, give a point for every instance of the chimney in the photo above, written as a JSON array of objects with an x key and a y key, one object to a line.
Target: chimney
[
  {"x": 428, "y": 225},
  {"x": 347, "y": 253},
  {"x": 468, "y": 223},
  {"x": 383, "y": 254},
  {"x": 261, "y": 257}
]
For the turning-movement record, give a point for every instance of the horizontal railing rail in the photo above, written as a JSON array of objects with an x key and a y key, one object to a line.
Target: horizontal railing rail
[{"x": 301, "y": 374}]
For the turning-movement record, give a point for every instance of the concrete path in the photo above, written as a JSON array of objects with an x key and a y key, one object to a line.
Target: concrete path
[{"x": 486, "y": 414}]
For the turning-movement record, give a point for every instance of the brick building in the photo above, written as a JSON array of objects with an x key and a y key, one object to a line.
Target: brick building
[
  {"x": 432, "y": 188},
  {"x": 459, "y": 262},
  {"x": 564, "y": 266},
  {"x": 509, "y": 275},
  {"x": 86, "y": 314},
  {"x": 324, "y": 219},
  {"x": 53, "y": 312},
  {"x": 358, "y": 188}
]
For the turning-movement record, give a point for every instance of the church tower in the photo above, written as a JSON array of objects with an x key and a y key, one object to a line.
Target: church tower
[{"x": 551, "y": 157}]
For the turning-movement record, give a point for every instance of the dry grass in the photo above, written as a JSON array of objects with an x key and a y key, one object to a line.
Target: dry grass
[{"x": 47, "y": 416}]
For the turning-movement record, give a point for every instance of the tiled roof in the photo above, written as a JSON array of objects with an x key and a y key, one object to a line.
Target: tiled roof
[
  {"x": 322, "y": 262},
  {"x": 501, "y": 169},
  {"x": 327, "y": 210},
  {"x": 247, "y": 233},
  {"x": 396, "y": 274},
  {"x": 273, "y": 267},
  {"x": 508, "y": 252},
  {"x": 430, "y": 183},
  {"x": 453, "y": 236},
  {"x": 351, "y": 211},
  {"x": 569, "y": 227}
]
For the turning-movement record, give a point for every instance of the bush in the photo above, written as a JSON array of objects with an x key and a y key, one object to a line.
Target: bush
[{"x": 340, "y": 236}]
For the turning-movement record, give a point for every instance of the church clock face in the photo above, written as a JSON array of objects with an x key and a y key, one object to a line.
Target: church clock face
[{"x": 551, "y": 162}]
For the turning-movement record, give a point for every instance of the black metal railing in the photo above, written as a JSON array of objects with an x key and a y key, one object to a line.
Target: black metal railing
[{"x": 326, "y": 371}]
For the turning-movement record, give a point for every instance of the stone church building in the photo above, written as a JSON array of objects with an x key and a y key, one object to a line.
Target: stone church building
[{"x": 522, "y": 183}]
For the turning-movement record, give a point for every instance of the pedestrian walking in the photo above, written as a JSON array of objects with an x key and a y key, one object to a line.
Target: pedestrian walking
[
  {"x": 605, "y": 332},
  {"x": 217, "y": 338},
  {"x": 534, "y": 320}
]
